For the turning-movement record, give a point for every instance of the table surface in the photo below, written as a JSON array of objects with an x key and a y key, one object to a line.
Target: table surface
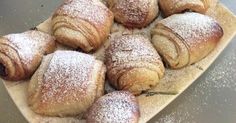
[{"x": 211, "y": 99}]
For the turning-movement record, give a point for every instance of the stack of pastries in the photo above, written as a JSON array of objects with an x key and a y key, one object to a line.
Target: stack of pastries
[{"x": 70, "y": 83}]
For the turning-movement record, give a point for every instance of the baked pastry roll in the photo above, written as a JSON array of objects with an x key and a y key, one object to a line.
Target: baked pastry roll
[
  {"x": 170, "y": 7},
  {"x": 134, "y": 13},
  {"x": 66, "y": 84},
  {"x": 115, "y": 107},
  {"x": 133, "y": 64},
  {"x": 82, "y": 24},
  {"x": 21, "y": 54},
  {"x": 184, "y": 39}
]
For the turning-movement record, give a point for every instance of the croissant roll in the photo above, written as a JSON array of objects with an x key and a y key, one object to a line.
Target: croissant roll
[
  {"x": 21, "y": 54},
  {"x": 115, "y": 107},
  {"x": 134, "y": 13},
  {"x": 82, "y": 24},
  {"x": 184, "y": 39},
  {"x": 66, "y": 84},
  {"x": 170, "y": 7},
  {"x": 133, "y": 64}
]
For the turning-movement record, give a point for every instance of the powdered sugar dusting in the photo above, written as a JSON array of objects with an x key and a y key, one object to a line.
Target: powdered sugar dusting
[
  {"x": 131, "y": 48},
  {"x": 115, "y": 107},
  {"x": 68, "y": 70},
  {"x": 134, "y": 10},
  {"x": 192, "y": 27},
  {"x": 28, "y": 44},
  {"x": 90, "y": 10}
]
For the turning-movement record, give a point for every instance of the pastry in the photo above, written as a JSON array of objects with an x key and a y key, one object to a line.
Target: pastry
[
  {"x": 170, "y": 7},
  {"x": 184, "y": 39},
  {"x": 115, "y": 107},
  {"x": 66, "y": 84},
  {"x": 21, "y": 54},
  {"x": 82, "y": 24},
  {"x": 134, "y": 13},
  {"x": 133, "y": 64}
]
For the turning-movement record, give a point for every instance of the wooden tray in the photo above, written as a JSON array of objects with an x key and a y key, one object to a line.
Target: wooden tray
[{"x": 152, "y": 102}]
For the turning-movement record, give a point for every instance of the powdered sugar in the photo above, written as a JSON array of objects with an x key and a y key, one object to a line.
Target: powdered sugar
[
  {"x": 192, "y": 27},
  {"x": 91, "y": 10},
  {"x": 118, "y": 107},
  {"x": 28, "y": 44},
  {"x": 134, "y": 10},
  {"x": 132, "y": 48},
  {"x": 67, "y": 70}
]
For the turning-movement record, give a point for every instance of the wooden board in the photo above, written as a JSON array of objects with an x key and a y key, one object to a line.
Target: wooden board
[{"x": 171, "y": 86}]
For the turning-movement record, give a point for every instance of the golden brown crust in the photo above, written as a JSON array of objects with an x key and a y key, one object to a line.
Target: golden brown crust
[
  {"x": 192, "y": 35},
  {"x": 21, "y": 54},
  {"x": 134, "y": 13},
  {"x": 66, "y": 84},
  {"x": 82, "y": 24},
  {"x": 133, "y": 64},
  {"x": 170, "y": 7},
  {"x": 119, "y": 106}
]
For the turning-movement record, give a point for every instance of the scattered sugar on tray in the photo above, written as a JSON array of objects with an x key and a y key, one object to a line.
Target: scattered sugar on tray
[
  {"x": 67, "y": 71},
  {"x": 222, "y": 73},
  {"x": 204, "y": 95},
  {"x": 170, "y": 118}
]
